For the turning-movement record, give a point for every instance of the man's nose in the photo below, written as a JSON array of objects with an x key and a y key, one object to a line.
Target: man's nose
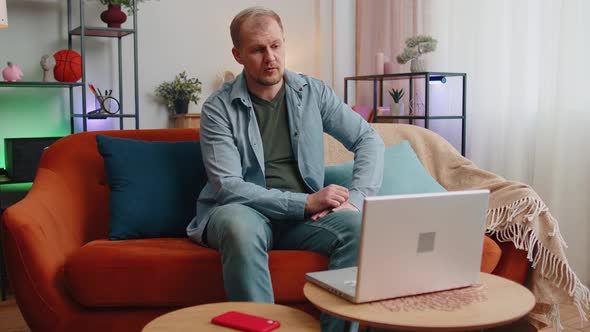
[{"x": 269, "y": 55}]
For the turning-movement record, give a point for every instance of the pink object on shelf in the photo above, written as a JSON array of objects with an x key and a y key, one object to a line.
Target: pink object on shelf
[
  {"x": 12, "y": 73},
  {"x": 379, "y": 60},
  {"x": 388, "y": 67},
  {"x": 383, "y": 110},
  {"x": 363, "y": 110}
]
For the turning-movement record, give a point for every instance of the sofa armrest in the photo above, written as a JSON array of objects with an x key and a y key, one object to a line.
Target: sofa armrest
[
  {"x": 513, "y": 263},
  {"x": 39, "y": 233}
]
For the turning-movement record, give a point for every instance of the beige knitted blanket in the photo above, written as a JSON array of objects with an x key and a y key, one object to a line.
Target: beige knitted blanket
[{"x": 516, "y": 213}]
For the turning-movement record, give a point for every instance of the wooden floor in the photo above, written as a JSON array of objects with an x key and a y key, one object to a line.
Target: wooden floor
[
  {"x": 10, "y": 318},
  {"x": 12, "y": 321}
]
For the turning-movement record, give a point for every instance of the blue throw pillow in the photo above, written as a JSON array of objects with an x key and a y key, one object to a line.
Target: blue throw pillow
[
  {"x": 154, "y": 186},
  {"x": 402, "y": 173}
]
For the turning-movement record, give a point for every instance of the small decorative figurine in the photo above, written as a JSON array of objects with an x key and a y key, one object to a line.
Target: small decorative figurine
[
  {"x": 47, "y": 64},
  {"x": 12, "y": 73}
]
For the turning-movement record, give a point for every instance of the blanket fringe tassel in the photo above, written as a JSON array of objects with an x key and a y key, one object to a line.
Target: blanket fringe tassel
[{"x": 501, "y": 224}]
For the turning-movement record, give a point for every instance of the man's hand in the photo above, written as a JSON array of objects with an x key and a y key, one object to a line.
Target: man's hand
[
  {"x": 327, "y": 198},
  {"x": 344, "y": 206}
]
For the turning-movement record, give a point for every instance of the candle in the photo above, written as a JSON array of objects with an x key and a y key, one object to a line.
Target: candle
[
  {"x": 379, "y": 60},
  {"x": 388, "y": 67}
]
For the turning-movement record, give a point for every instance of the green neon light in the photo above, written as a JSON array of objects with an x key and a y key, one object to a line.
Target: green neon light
[
  {"x": 32, "y": 112},
  {"x": 15, "y": 187}
]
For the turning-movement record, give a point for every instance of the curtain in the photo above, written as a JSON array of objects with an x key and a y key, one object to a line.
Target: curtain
[
  {"x": 528, "y": 104},
  {"x": 382, "y": 28}
]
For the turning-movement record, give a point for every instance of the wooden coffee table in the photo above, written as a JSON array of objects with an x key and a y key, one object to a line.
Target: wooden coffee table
[
  {"x": 198, "y": 318},
  {"x": 495, "y": 301}
]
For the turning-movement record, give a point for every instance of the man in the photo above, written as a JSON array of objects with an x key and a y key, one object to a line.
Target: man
[{"x": 262, "y": 145}]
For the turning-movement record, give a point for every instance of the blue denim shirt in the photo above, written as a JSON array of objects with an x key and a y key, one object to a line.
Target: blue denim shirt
[{"x": 234, "y": 158}]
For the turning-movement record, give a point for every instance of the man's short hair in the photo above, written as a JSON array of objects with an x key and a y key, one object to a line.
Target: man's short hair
[{"x": 236, "y": 23}]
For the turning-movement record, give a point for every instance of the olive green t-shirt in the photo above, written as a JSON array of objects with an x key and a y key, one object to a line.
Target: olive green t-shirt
[{"x": 281, "y": 169}]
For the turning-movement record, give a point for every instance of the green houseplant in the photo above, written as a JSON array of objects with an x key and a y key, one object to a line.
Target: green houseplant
[
  {"x": 397, "y": 107},
  {"x": 179, "y": 92},
  {"x": 396, "y": 95},
  {"x": 415, "y": 47}
]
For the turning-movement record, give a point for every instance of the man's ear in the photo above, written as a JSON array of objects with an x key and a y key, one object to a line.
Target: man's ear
[{"x": 236, "y": 53}]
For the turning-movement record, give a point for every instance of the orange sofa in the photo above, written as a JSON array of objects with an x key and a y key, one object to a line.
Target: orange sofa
[{"x": 67, "y": 276}]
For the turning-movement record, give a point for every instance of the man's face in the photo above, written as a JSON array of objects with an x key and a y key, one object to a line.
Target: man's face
[{"x": 262, "y": 52}]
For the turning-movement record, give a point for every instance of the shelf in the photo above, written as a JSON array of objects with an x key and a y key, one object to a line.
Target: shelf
[
  {"x": 101, "y": 32},
  {"x": 22, "y": 84},
  {"x": 103, "y": 116},
  {"x": 6, "y": 180},
  {"x": 84, "y": 31},
  {"x": 415, "y": 80},
  {"x": 420, "y": 117},
  {"x": 400, "y": 76},
  {"x": 77, "y": 26}
]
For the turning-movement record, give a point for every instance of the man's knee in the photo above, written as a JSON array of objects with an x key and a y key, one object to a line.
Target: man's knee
[
  {"x": 345, "y": 224},
  {"x": 350, "y": 221},
  {"x": 239, "y": 226}
]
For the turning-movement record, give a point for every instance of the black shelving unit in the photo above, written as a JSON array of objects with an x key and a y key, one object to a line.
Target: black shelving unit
[
  {"x": 22, "y": 84},
  {"x": 82, "y": 31},
  {"x": 412, "y": 79}
]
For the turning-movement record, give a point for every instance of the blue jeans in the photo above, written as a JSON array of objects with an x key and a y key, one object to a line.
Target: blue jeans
[{"x": 243, "y": 236}]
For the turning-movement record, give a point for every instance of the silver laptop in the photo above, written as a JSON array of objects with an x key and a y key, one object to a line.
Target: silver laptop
[{"x": 413, "y": 244}]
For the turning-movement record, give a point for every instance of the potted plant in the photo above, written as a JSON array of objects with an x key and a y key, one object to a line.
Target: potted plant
[
  {"x": 415, "y": 47},
  {"x": 397, "y": 107},
  {"x": 114, "y": 16},
  {"x": 179, "y": 92}
]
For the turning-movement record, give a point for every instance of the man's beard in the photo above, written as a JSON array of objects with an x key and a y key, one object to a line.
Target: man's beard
[{"x": 270, "y": 81}]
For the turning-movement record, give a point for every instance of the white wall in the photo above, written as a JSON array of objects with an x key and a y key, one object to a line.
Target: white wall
[
  {"x": 173, "y": 35},
  {"x": 196, "y": 38},
  {"x": 35, "y": 28}
]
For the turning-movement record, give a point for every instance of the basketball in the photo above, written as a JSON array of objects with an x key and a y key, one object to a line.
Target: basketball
[{"x": 68, "y": 66}]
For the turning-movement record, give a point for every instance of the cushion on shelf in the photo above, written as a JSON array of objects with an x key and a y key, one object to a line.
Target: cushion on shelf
[
  {"x": 154, "y": 186},
  {"x": 402, "y": 173}
]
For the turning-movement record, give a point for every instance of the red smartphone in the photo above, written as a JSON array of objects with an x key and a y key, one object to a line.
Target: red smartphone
[{"x": 245, "y": 322}]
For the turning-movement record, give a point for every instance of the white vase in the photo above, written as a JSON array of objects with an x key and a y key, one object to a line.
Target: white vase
[
  {"x": 417, "y": 66},
  {"x": 397, "y": 108}
]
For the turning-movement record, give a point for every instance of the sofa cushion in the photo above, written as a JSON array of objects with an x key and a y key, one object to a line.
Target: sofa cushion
[
  {"x": 154, "y": 186},
  {"x": 170, "y": 272},
  {"x": 402, "y": 173}
]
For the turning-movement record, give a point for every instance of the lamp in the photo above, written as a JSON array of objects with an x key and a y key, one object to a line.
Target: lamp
[
  {"x": 3, "y": 14},
  {"x": 438, "y": 80}
]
